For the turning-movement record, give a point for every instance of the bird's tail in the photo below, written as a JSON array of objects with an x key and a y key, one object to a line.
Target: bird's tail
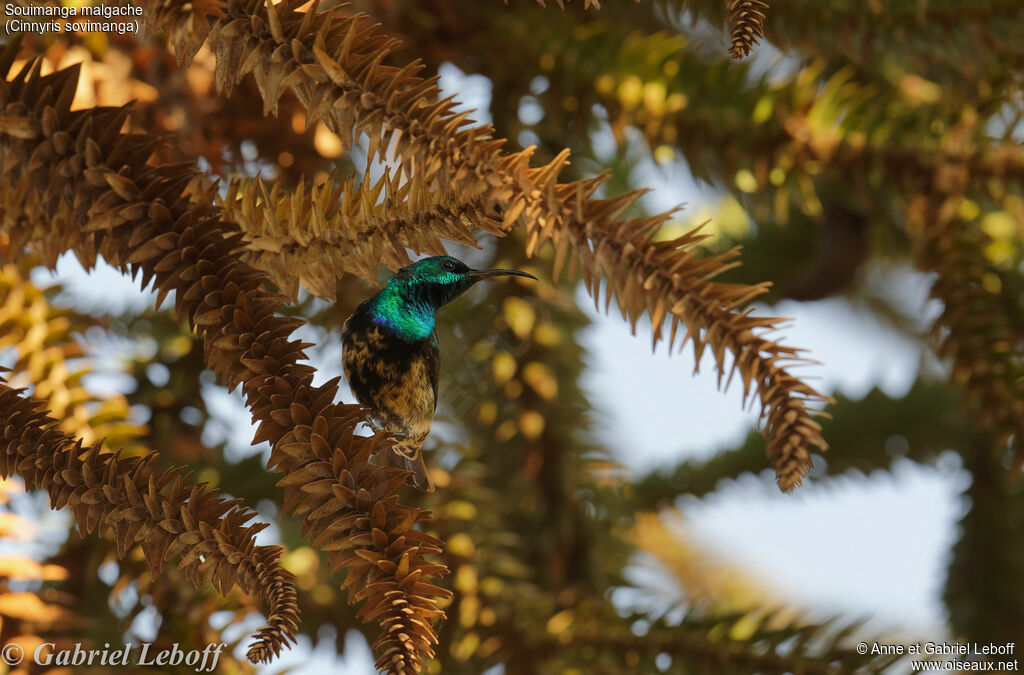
[{"x": 407, "y": 454}]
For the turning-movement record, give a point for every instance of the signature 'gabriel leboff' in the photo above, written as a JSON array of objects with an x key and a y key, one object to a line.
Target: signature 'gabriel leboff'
[{"x": 391, "y": 358}]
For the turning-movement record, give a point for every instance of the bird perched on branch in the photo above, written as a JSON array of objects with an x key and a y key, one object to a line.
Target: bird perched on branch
[{"x": 391, "y": 359}]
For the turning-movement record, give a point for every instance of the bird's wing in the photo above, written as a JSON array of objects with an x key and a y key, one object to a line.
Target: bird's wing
[
  {"x": 364, "y": 370},
  {"x": 433, "y": 365}
]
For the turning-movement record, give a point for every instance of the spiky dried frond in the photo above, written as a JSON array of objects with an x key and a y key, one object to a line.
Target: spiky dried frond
[
  {"x": 587, "y": 4},
  {"x": 47, "y": 357},
  {"x": 934, "y": 40},
  {"x": 341, "y": 80},
  {"x": 746, "y": 25},
  {"x": 186, "y": 22},
  {"x": 73, "y": 180},
  {"x": 333, "y": 65},
  {"x": 125, "y": 500},
  {"x": 973, "y": 331},
  {"x": 744, "y": 642},
  {"x": 667, "y": 279},
  {"x": 836, "y": 122},
  {"x": 316, "y": 233}
]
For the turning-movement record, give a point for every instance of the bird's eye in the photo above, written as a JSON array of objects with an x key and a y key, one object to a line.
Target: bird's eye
[{"x": 448, "y": 266}]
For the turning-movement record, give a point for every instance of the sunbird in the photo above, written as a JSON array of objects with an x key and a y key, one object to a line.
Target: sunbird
[{"x": 391, "y": 359}]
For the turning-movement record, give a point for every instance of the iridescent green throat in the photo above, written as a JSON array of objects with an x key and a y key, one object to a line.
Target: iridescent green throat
[{"x": 402, "y": 313}]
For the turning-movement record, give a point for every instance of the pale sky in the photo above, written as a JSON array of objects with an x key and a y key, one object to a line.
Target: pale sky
[{"x": 873, "y": 546}]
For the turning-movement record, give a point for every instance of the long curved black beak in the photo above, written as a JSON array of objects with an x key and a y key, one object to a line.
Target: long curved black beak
[{"x": 477, "y": 275}]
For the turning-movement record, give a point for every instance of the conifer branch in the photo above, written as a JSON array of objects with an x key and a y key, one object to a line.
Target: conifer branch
[
  {"x": 935, "y": 413},
  {"x": 587, "y": 4},
  {"x": 317, "y": 233},
  {"x": 187, "y": 22},
  {"x": 48, "y": 358},
  {"x": 754, "y": 655},
  {"x": 666, "y": 279},
  {"x": 835, "y": 125},
  {"x": 978, "y": 606},
  {"x": 746, "y": 25},
  {"x": 934, "y": 178},
  {"x": 73, "y": 180},
  {"x": 341, "y": 80},
  {"x": 937, "y": 37},
  {"x": 730, "y": 643},
  {"x": 125, "y": 500},
  {"x": 973, "y": 331}
]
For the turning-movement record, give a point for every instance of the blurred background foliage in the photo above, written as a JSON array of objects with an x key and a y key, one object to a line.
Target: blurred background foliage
[{"x": 885, "y": 136}]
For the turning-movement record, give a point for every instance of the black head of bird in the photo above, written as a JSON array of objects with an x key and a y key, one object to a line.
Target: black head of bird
[{"x": 390, "y": 354}]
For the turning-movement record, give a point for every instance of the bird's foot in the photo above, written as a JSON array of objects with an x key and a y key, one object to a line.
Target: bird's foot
[{"x": 397, "y": 435}]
